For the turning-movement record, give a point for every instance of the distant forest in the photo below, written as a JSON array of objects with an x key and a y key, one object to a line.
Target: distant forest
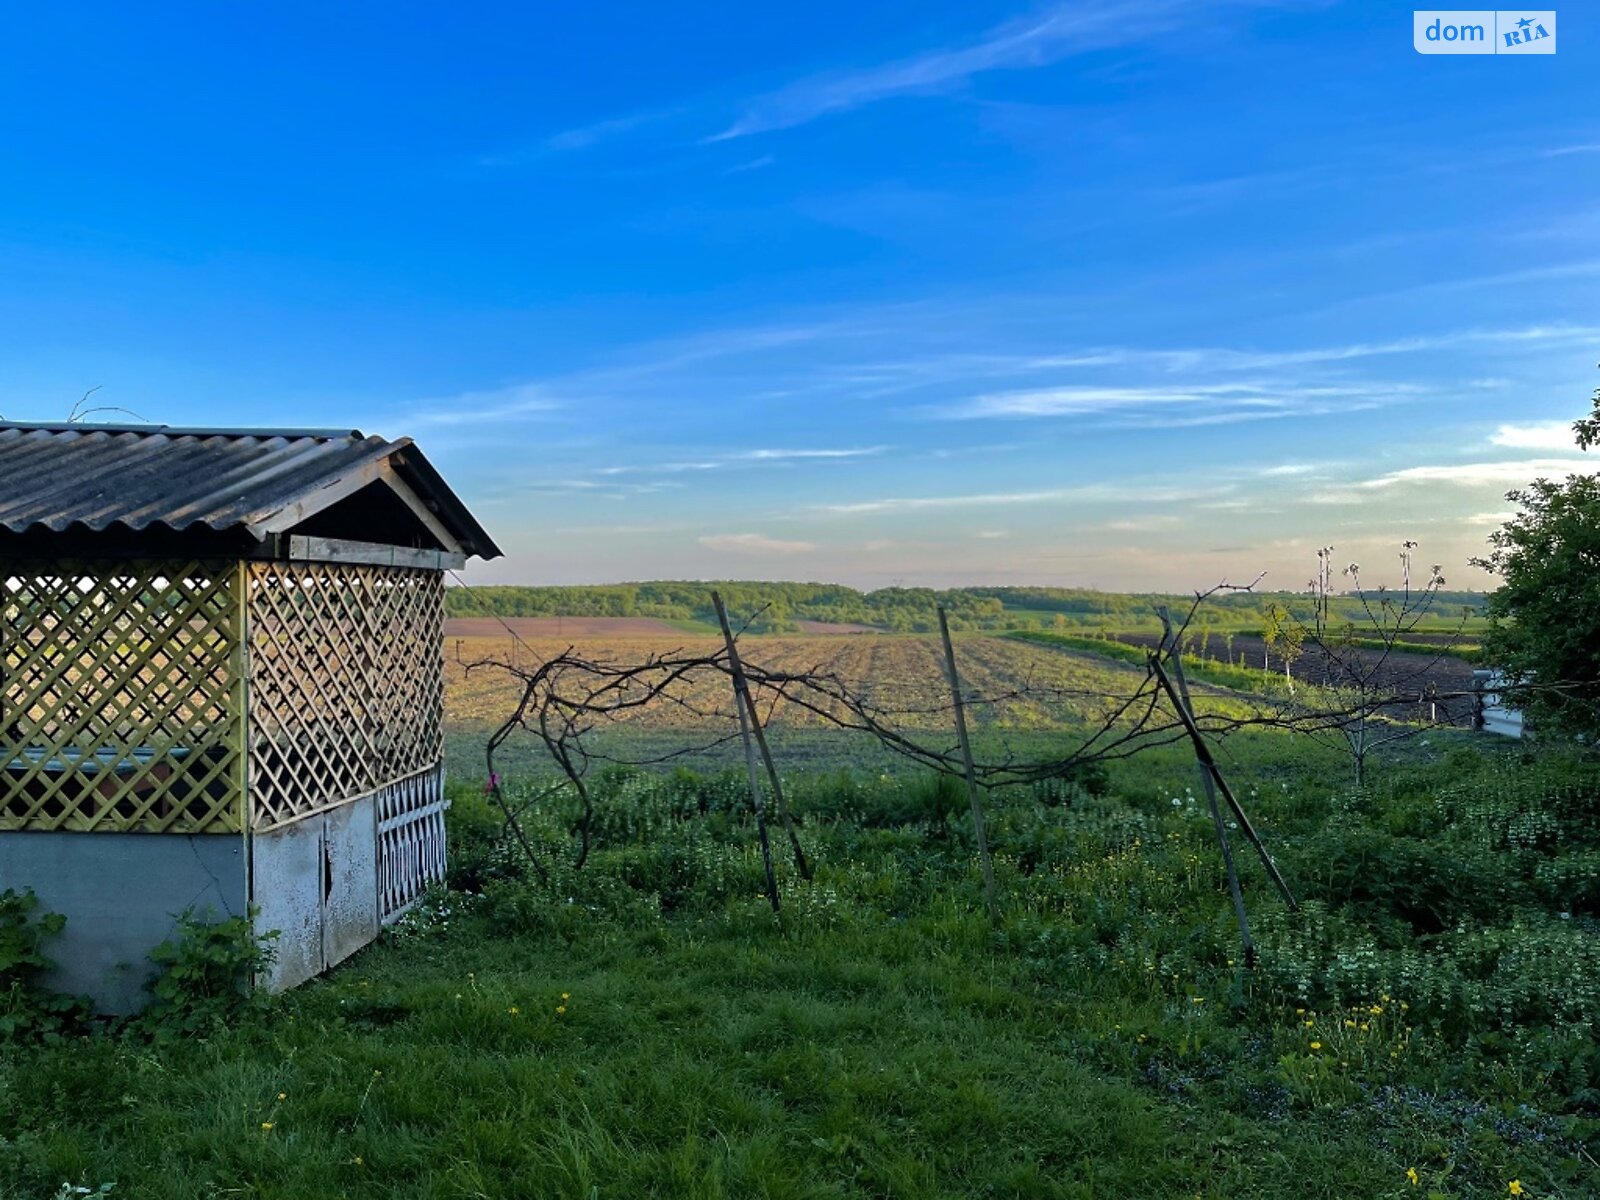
[{"x": 902, "y": 610}]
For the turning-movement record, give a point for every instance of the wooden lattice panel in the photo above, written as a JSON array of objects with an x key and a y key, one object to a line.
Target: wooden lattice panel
[
  {"x": 411, "y": 846},
  {"x": 121, "y": 701},
  {"x": 346, "y": 683}
]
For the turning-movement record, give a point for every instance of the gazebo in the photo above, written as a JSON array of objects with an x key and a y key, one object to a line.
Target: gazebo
[{"x": 221, "y": 686}]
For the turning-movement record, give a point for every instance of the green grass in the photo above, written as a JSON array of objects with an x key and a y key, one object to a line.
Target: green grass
[
  {"x": 1196, "y": 670},
  {"x": 880, "y": 1038},
  {"x": 711, "y": 1059},
  {"x": 1100, "y": 647},
  {"x": 687, "y": 625}
]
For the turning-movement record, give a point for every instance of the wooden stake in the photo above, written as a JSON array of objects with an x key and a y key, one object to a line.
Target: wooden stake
[
  {"x": 1203, "y": 753},
  {"x": 1221, "y": 827},
  {"x": 741, "y": 688},
  {"x": 982, "y": 838},
  {"x": 756, "y": 797}
]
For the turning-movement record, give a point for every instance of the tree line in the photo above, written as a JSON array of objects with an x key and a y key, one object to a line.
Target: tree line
[{"x": 780, "y": 605}]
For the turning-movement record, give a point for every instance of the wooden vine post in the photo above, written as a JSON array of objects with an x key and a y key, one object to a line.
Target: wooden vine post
[
  {"x": 1248, "y": 946},
  {"x": 741, "y": 696},
  {"x": 984, "y": 858},
  {"x": 742, "y": 687},
  {"x": 1202, "y": 752}
]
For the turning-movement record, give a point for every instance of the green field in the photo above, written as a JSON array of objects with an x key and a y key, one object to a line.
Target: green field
[{"x": 1196, "y": 669}]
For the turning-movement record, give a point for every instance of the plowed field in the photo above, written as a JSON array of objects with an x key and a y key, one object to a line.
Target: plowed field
[{"x": 1019, "y": 686}]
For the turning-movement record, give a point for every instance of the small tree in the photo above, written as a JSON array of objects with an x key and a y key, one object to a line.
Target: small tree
[
  {"x": 1286, "y": 637},
  {"x": 1361, "y": 682},
  {"x": 1545, "y": 616}
]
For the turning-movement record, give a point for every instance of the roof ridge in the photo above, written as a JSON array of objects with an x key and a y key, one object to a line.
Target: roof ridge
[{"x": 181, "y": 430}]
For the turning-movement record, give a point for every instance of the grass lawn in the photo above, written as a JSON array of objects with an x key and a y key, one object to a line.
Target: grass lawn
[
  {"x": 647, "y": 1027},
  {"x": 700, "y": 1059}
]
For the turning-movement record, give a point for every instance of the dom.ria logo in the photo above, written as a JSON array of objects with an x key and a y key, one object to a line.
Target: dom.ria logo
[{"x": 1484, "y": 31}]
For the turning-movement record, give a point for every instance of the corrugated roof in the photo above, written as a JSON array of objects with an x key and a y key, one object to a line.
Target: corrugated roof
[{"x": 261, "y": 481}]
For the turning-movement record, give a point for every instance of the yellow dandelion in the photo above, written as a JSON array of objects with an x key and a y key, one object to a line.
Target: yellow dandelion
[
  {"x": 359, "y": 1161},
  {"x": 513, "y": 1010},
  {"x": 266, "y": 1124},
  {"x": 1411, "y": 1174},
  {"x": 283, "y": 1096},
  {"x": 566, "y": 996},
  {"x": 1316, "y": 1045},
  {"x": 1309, "y": 1024},
  {"x": 560, "y": 1008},
  {"x": 1514, "y": 1187}
]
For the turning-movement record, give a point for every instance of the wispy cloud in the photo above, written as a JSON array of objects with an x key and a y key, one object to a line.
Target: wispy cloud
[
  {"x": 1150, "y": 524},
  {"x": 1536, "y": 435},
  {"x": 745, "y": 458},
  {"x": 1061, "y": 31},
  {"x": 833, "y": 357},
  {"x": 1129, "y": 493},
  {"x": 919, "y": 503},
  {"x": 773, "y": 455},
  {"x": 609, "y": 490},
  {"x": 754, "y": 543},
  {"x": 1587, "y": 268},
  {"x": 1224, "y": 401},
  {"x": 666, "y": 468},
  {"x": 579, "y": 138},
  {"x": 912, "y": 374},
  {"x": 1218, "y": 358},
  {"x": 1580, "y": 148},
  {"x": 1479, "y": 473},
  {"x": 1419, "y": 482},
  {"x": 518, "y": 402}
]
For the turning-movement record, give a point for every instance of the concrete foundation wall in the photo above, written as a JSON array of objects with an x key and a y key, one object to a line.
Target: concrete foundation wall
[
  {"x": 120, "y": 893},
  {"x": 316, "y": 883}
]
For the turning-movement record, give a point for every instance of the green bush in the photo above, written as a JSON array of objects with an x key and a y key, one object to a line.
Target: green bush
[
  {"x": 206, "y": 977},
  {"x": 29, "y": 1009},
  {"x": 474, "y": 828},
  {"x": 1428, "y": 885}
]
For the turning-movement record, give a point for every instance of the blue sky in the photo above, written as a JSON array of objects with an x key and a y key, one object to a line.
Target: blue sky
[{"x": 1128, "y": 294}]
